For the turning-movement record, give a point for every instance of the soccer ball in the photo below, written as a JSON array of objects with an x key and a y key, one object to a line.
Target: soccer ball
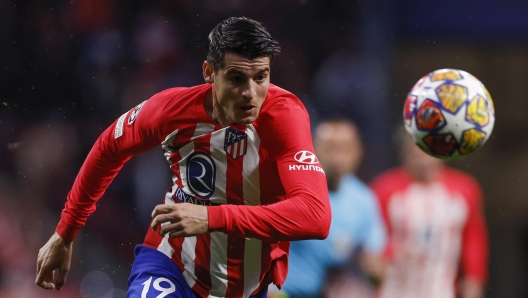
[{"x": 449, "y": 113}]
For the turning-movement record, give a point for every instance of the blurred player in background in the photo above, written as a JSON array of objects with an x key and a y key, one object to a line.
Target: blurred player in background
[
  {"x": 245, "y": 178},
  {"x": 438, "y": 245},
  {"x": 357, "y": 226}
]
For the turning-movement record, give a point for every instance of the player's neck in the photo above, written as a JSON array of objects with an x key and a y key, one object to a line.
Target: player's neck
[
  {"x": 214, "y": 110},
  {"x": 219, "y": 116}
]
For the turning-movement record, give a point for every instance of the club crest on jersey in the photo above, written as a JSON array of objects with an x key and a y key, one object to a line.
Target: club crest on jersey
[{"x": 235, "y": 143}]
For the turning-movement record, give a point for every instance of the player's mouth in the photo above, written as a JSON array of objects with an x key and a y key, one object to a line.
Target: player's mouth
[{"x": 247, "y": 110}]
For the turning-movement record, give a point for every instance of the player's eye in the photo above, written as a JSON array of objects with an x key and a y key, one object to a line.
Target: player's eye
[
  {"x": 236, "y": 80},
  {"x": 261, "y": 77}
]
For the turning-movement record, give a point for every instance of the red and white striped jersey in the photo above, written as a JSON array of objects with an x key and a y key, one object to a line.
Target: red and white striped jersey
[
  {"x": 261, "y": 183},
  {"x": 436, "y": 230}
]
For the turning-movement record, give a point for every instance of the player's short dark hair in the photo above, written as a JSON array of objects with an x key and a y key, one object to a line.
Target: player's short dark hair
[{"x": 241, "y": 36}]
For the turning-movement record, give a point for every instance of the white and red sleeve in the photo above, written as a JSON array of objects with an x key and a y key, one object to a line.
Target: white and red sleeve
[
  {"x": 474, "y": 255},
  {"x": 135, "y": 131},
  {"x": 305, "y": 213},
  {"x": 378, "y": 185}
]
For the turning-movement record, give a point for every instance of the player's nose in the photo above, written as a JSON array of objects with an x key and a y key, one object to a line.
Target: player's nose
[{"x": 249, "y": 91}]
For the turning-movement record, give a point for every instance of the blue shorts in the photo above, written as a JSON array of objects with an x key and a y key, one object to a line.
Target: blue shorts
[{"x": 155, "y": 275}]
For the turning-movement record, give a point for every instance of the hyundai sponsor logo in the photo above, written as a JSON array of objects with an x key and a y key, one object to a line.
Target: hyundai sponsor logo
[
  {"x": 306, "y": 157},
  {"x": 306, "y": 168},
  {"x": 308, "y": 162}
]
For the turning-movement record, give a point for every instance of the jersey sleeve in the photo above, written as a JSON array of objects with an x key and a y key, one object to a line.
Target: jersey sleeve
[
  {"x": 305, "y": 213},
  {"x": 375, "y": 234},
  {"x": 474, "y": 254},
  {"x": 382, "y": 188},
  {"x": 136, "y": 131}
]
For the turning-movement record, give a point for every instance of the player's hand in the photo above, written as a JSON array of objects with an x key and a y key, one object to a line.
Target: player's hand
[
  {"x": 55, "y": 254},
  {"x": 471, "y": 288},
  {"x": 182, "y": 220},
  {"x": 374, "y": 266}
]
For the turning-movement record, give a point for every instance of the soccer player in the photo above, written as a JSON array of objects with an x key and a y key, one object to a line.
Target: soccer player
[
  {"x": 357, "y": 226},
  {"x": 437, "y": 235},
  {"x": 245, "y": 178}
]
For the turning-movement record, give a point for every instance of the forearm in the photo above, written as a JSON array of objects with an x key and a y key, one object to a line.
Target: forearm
[
  {"x": 374, "y": 266},
  {"x": 471, "y": 288},
  {"x": 98, "y": 171},
  {"x": 300, "y": 217}
]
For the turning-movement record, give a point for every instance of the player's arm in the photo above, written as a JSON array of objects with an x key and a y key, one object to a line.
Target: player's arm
[
  {"x": 305, "y": 213},
  {"x": 134, "y": 132},
  {"x": 382, "y": 187},
  {"x": 474, "y": 256},
  {"x": 372, "y": 260}
]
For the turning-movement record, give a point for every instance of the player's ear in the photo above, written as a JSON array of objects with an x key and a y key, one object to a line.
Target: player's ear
[{"x": 208, "y": 72}]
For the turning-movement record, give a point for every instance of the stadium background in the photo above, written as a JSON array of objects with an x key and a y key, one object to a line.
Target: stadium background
[{"x": 70, "y": 68}]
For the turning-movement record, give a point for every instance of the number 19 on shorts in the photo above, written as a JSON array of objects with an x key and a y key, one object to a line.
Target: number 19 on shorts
[{"x": 161, "y": 285}]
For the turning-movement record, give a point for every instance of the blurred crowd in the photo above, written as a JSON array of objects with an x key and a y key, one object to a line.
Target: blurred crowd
[{"x": 70, "y": 68}]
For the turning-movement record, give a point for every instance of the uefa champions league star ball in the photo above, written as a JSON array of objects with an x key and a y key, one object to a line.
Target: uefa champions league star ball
[{"x": 449, "y": 113}]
